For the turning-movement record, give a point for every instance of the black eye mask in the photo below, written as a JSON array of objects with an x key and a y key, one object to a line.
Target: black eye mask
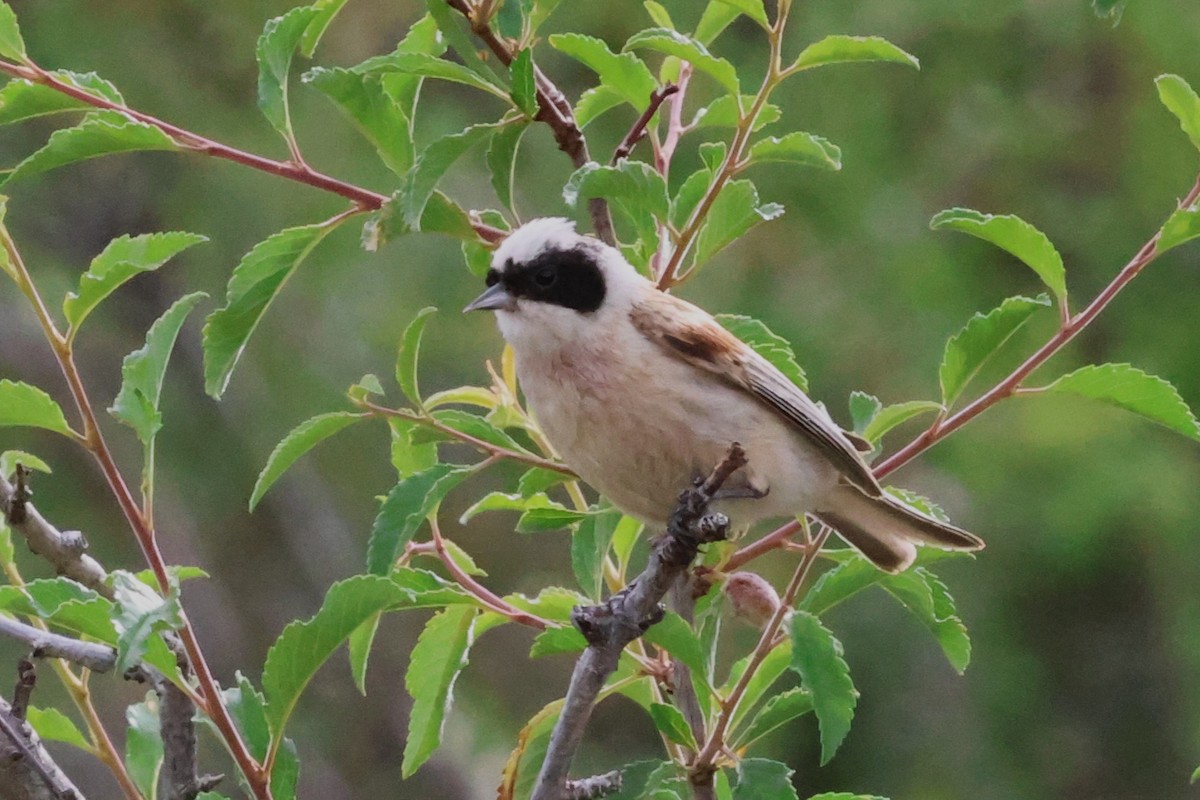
[{"x": 568, "y": 278}]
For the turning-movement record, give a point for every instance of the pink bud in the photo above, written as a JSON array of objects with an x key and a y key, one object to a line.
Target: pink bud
[{"x": 752, "y": 598}]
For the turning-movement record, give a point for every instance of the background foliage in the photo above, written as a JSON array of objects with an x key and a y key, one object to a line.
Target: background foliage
[{"x": 1085, "y": 676}]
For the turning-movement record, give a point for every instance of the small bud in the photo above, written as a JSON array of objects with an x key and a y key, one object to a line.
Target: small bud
[{"x": 752, "y": 598}]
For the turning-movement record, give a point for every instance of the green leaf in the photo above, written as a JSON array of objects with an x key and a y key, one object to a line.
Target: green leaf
[
  {"x": 894, "y": 415},
  {"x": 430, "y": 66},
  {"x": 658, "y": 14},
  {"x": 817, "y": 657},
  {"x": 358, "y": 648},
  {"x": 142, "y": 371},
  {"x": 373, "y": 110},
  {"x": 777, "y": 711},
  {"x": 303, "y": 647},
  {"x": 863, "y": 408},
  {"x": 715, "y": 19},
  {"x": 326, "y": 11},
  {"x": 766, "y": 343},
  {"x": 255, "y": 283},
  {"x": 122, "y": 259},
  {"x": 141, "y": 613},
  {"x": 408, "y": 457},
  {"x": 594, "y": 102},
  {"x": 143, "y": 744},
  {"x": 969, "y": 349},
  {"x": 438, "y": 657},
  {"x": 10, "y": 458},
  {"x": 432, "y": 164},
  {"x": 928, "y": 599},
  {"x": 1128, "y": 387},
  {"x": 751, "y": 8},
  {"x": 535, "y": 481},
  {"x": 634, "y": 188},
  {"x": 55, "y": 726},
  {"x": 524, "y": 88},
  {"x": 276, "y": 46},
  {"x": 839, "y": 583},
  {"x": 589, "y": 547},
  {"x": 673, "y": 43},
  {"x": 11, "y": 44},
  {"x": 846, "y": 49},
  {"x": 735, "y": 211},
  {"x": 299, "y": 440},
  {"x": 453, "y": 26},
  {"x": 28, "y": 406},
  {"x": 1109, "y": 9},
  {"x": 441, "y": 215},
  {"x": 1181, "y": 100},
  {"x": 670, "y": 722},
  {"x": 502, "y": 160},
  {"x": 724, "y": 112},
  {"x": 100, "y": 133},
  {"x": 845, "y": 796},
  {"x": 404, "y": 509},
  {"x": 676, "y": 636},
  {"x": 541, "y": 520},
  {"x": 763, "y": 779},
  {"x": 1011, "y": 233},
  {"x": 626, "y": 74},
  {"x": 555, "y": 641},
  {"x": 407, "y": 356},
  {"x": 1182, "y": 226},
  {"x": 21, "y": 100},
  {"x": 797, "y": 147}
]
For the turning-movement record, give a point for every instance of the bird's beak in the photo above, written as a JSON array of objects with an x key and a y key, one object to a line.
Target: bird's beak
[{"x": 494, "y": 299}]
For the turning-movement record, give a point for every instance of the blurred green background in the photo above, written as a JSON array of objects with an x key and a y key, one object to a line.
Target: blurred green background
[{"x": 1084, "y": 609}]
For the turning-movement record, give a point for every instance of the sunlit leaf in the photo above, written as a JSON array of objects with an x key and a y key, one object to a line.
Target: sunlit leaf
[
  {"x": 11, "y": 44},
  {"x": 751, "y": 8},
  {"x": 28, "y": 406},
  {"x": 437, "y": 659},
  {"x": 736, "y": 210},
  {"x": 408, "y": 457},
  {"x": 797, "y": 147},
  {"x": 255, "y": 283},
  {"x": 625, "y": 74},
  {"x": 326, "y": 11},
  {"x": 673, "y": 43},
  {"x": 100, "y": 133},
  {"x": 725, "y": 113},
  {"x": 715, "y": 19},
  {"x": 594, "y": 102},
  {"x": 847, "y": 49},
  {"x": 1182, "y": 226},
  {"x": 969, "y": 349},
  {"x": 404, "y": 509},
  {"x": 766, "y": 343},
  {"x": 10, "y": 458},
  {"x": 1181, "y": 100},
  {"x": 22, "y": 99},
  {"x": 897, "y": 414},
  {"x": 817, "y": 656},
  {"x": 1015, "y": 235},
  {"x": 763, "y": 779},
  {"x": 55, "y": 726},
  {"x": 1130, "y": 388},
  {"x": 299, "y": 440},
  {"x": 670, "y": 722},
  {"x": 276, "y": 46},
  {"x": 658, "y": 14}
]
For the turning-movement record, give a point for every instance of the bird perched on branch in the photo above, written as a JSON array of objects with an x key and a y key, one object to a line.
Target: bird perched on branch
[{"x": 642, "y": 392}]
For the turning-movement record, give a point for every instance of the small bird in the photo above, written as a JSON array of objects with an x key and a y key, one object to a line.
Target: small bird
[{"x": 641, "y": 392}]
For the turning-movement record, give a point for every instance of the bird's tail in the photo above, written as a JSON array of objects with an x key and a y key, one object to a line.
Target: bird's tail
[{"x": 884, "y": 530}]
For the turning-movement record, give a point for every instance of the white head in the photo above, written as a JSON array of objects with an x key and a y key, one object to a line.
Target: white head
[{"x": 550, "y": 285}]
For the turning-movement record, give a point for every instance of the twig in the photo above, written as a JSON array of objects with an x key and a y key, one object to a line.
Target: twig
[
  {"x": 23, "y": 692},
  {"x": 27, "y": 772},
  {"x": 179, "y": 778},
  {"x": 65, "y": 551},
  {"x": 627, "y": 615},
  {"x": 594, "y": 787},
  {"x": 638, "y": 131},
  {"x": 96, "y": 657}
]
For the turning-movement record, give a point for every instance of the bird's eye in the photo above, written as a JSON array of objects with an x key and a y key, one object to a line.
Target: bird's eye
[
  {"x": 545, "y": 277},
  {"x": 493, "y": 277}
]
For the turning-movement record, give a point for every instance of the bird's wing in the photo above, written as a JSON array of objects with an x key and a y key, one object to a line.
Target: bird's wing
[{"x": 687, "y": 332}]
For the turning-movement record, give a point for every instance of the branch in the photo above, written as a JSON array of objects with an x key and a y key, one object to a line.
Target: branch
[
  {"x": 626, "y": 616},
  {"x": 179, "y": 778},
  {"x": 96, "y": 657},
  {"x": 638, "y": 131},
  {"x": 553, "y": 109},
  {"x": 27, "y": 772},
  {"x": 65, "y": 551}
]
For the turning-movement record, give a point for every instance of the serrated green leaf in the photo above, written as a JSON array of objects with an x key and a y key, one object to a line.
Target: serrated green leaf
[
  {"x": 28, "y": 406},
  {"x": 535, "y": 481},
  {"x": 407, "y": 456},
  {"x": 817, "y": 657},
  {"x": 1015, "y": 235},
  {"x": 751, "y": 8},
  {"x": 502, "y": 161},
  {"x": 626, "y": 74},
  {"x": 21, "y": 99},
  {"x": 1182, "y": 226},
  {"x": 373, "y": 110},
  {"x": 658, "y": 14},
  {"x": 556, "y": 641},
  {"x": 777, "y": 711},
  {"x": 735, "y": 211},
  {"x": 797, "y": 147},
  {"x": 440, "y": 215},
  {"x": 724, "y": 112},
  {"x": 122, "y": 259},
  {"x": 276, "y": 46},
  {"x": 863, "y": 408},
  {"x": 542, "y": 520},
  {"x": 11, "y": 44},
  {"x": 429, "y": 66},
  {"x": 256, "y": 282},
  {"x": 143, "y": 744},
  {"x": 141, "y": 613},
  {"x": 670, "y": 722},
  {"x": 633, "y": 188},
  {"x": 774, "y": 665},
  {"x": 521, "y": 770},
  {"x": 766, "y": 343},
  {"x": 763, "y": 779},
  {"x": 840, "y": 583},
  {"x": 303, "y": 647},
  {"x": 432, "y": 164},
  {"x": 715, "y": 19},
  {"x": 674, "y": 43},
  {"x": 143, "y": 370},
  {"x": 676, "y": 636},
  {"x": 455, "y": 29},
  {"x": 10, "y": 458},
  {"x": 846, "y": 49},
  {"x": 100, "y": 133},
  {"x": 1109, "y": 9},
  {"x": 1181, "y": 100},
  {"x": 404, "y": 509},
  {"x": 437, "y": 659},
  {"x": 589, "y": 547},
  {"x": 594, "y": 102},
  {"x": 297, "y": 442},
  {"x": 358, "y": 648},
  {"x": 896, "y": 414},
  {"x": 969, "y": 349},
  {"x": 845, "y": 796},
  {"x": 1128, "y": 387},
  {"x": 408, "y": 354},
  {"x": 326, "y": 11},
  {"x": 524, "y": 88},
  {"x": 54, "y": 726},
  {"x": 928, "y": 599}
]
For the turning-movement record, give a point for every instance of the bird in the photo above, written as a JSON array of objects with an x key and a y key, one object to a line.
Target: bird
[{"x": 641, "y": 392}]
